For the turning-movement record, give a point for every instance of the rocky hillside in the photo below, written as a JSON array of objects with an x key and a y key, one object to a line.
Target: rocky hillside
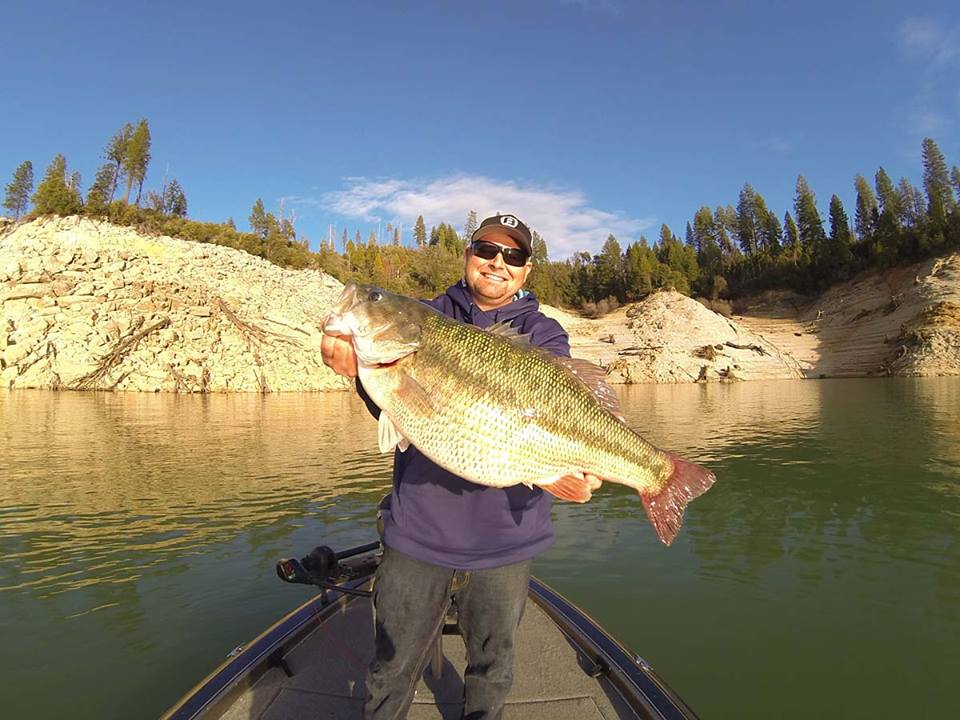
[
  {"x": 89, "y": 305},
  {"x": 670, "y": 338},
  {"x": 904, "y": 321}
]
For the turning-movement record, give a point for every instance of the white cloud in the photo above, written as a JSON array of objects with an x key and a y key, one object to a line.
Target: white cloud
[
  {"x": 926, "y": 40},
  {"x": 935, "y": 50},
  {"x": 564, "y": 218},
  {"x": 926, "y": 122}
]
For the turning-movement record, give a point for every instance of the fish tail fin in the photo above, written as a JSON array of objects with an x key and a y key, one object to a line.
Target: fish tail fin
[{"x": 665, "y": 509}]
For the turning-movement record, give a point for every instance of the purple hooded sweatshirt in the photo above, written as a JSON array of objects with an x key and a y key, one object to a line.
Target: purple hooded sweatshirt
[{"x": 440, "y": 518}]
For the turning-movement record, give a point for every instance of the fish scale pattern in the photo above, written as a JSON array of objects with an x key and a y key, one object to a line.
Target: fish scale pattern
[{"x": 498, "y": 412}]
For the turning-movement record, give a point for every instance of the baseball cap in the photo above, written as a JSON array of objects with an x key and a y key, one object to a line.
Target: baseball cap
[{"x": 508, "y": 225}]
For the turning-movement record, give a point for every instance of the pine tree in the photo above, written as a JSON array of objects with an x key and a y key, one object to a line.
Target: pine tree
[
  {"x": 174, "y": 200},
  {"x": 955, "y": 178},
  {"x": 837, "y": 255},
  {"x": 344, "y": 239},
  {"x": 888, "y": 197},
  {"x": 913, "y": 202},
  {"x": 679, "y": 260},
  {"x": 275, "y": 246},
  {"x": 19, "y": 189},
  {"x": 791, "y": 237},
  {"x": 704, "y": 229},
  {"x": 115, "y": 153},
  {"x": 538, "y": 248},
  {"x": 747, "y": 220},
  {"x": 420, "y": 232},
  {"x": 259, "y": 220},
  {"x": 154, "y": 201},
  {"x": 54, "y": 195},
  {"x": 449, "y": 239},
  {"x": 638, "y": 270},
  {"x": 75, "y": 188},
  {"x": 936, "y": 182},
  {"x": 809, "y": 223},
  {"x": 470, "y": 225},
  {"x": 771, "y": 231},
  {"x": 723, "y": 220},
  {"x": 372, "y": 240},
  {"x": 609, "y": 280},
  {"x": 889, "y": 226},
  {"x": 396, "y": 236},
  {"x": 708, "y": 253},
  {"x": 137, "y": 160},
  {"x": 98, "y": 196},
  {"x": 867, "y": 211}
]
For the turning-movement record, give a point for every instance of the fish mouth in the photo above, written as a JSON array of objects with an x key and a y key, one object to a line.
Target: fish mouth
[{"x": 336, "y": 324}]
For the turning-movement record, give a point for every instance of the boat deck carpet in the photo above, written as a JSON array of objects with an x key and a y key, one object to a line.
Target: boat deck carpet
[{"x": 329, "y": 665}]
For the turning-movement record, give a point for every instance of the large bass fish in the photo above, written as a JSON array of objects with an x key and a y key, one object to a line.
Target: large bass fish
[{"x": 491, "y": 408}]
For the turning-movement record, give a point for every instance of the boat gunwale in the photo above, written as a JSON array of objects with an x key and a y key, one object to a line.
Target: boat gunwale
[
  {"x": 243, "y": 669},
  {"x": 632, "y": 676},
  {"x": 636, "y": 682}
]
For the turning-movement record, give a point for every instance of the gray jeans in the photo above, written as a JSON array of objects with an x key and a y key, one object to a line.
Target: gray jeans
[{"x": 410, "y": 600}]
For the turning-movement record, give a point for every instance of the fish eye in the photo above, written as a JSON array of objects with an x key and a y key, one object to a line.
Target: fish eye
[{"x": 375, "y": 296}]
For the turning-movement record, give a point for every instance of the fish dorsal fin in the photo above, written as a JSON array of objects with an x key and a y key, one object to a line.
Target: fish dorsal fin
[
  {"x": 388, "y": 436},
  {"x": 505, "y": 330},
  {"x": 595, "y": 378}
]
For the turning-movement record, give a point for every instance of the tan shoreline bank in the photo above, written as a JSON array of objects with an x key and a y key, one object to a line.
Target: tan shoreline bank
[{"x": 90, "y": 305}]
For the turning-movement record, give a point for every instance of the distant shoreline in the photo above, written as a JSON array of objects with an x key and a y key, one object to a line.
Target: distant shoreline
[{"x": 90, "y": 305}]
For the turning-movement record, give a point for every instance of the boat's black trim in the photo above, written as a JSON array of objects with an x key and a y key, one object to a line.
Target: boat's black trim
[
  {"x": 634, "y": 677},
  {"x": 240, "y": 672}
]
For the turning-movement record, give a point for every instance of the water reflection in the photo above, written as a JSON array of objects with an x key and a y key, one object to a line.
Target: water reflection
[
  {"x": 938, "y": 402},
  {"x": 138, "y": 535},
  {"x": 91, "y": 481},
  {"x": 708, "y": 422}
]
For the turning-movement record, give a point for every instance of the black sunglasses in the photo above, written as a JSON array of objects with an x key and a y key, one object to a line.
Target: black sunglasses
[{"x": 488, "y": 251}]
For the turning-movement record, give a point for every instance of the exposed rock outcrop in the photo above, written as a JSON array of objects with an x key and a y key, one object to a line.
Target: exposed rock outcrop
[
  {"x": 89, "y": 305},
  {"x": 670, "y": 338},
  {"x": 903, "y": 321}
]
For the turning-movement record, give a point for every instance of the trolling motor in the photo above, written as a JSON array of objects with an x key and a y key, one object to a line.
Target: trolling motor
[{"x": 328, "y": 570}]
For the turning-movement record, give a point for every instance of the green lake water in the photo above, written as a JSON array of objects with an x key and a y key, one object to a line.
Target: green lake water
[{"x": 820, "y": 577}]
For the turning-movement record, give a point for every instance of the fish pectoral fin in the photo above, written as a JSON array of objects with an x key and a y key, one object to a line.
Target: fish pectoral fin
[
  {"x": 388, "y": 436},
  {"x": 413, "y": 394},
  {"x": 575, "y": 488}
]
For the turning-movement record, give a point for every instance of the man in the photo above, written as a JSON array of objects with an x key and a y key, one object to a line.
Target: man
[{"x": 446, "y": 537}]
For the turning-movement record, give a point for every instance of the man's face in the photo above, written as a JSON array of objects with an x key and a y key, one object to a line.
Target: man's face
[{"x": 493, "y": 283}]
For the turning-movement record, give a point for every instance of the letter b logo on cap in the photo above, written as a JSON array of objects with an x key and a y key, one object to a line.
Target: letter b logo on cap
[{"x": 508, "y": 220}]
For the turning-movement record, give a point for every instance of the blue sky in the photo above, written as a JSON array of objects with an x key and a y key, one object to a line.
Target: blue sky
[{"x": 585, "y": 117}]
